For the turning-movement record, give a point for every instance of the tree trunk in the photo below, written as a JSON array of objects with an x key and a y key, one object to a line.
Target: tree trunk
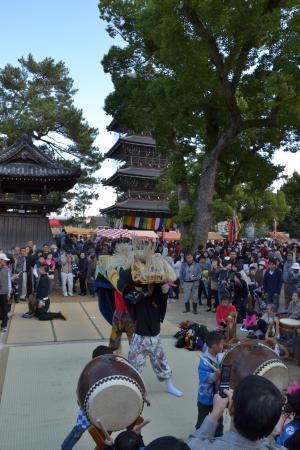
[
  {"x": 183, "y": 201},
  {"x": 206, "y": 188},
  {"x": 205, "y": 193}
]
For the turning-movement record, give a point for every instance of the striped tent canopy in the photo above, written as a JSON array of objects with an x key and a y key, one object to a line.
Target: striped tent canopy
[
  {"x": 144, "y": 234},
  {"x": 112, "y": 233}
]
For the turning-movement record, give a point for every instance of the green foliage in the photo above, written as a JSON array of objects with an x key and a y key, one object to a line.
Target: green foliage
[
  {"x": 37, "y": 98},
  {"x": 291, "y": 190},
  {"x": 186, "y": 242},
  {"x": 258, "y": 207},
  {"x": 221, "y": 210},
  {"x": 190, "y": 72}
]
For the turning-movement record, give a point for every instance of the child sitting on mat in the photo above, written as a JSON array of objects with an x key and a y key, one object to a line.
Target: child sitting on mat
[
  {"x": 249, "y": 321},
  {"x": 224, "y": 310}
]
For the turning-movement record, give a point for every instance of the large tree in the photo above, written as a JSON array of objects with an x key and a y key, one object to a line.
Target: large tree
[
  {"x": 207, "y": 77},
  {"x": 37, "y": 98}
]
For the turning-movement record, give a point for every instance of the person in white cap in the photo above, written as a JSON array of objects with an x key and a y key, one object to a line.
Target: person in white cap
[{"x": 4, "y": 289}]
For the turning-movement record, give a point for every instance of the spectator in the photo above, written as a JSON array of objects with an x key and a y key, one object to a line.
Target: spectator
[
  {"x": 4, "y": 290},
  {"x": 177, "y": 266},
  {"x": 67, "y": 261},
  {"x": 50, "y": 263},
  {"x": 190, "y": 274},
  {"x": 90, "y": 277},
  {"x": 292, "y": 409},
  {"x": 260, "y": 273},
  {"x": 255, "y": 408},
  {"x": 82, "y": 273},
  {"x": 294, "y": 307},
  {"x": 272, "y": 284},
  {"x": 208, "y": 379},
  {"x": 293, "y": 280},
  {"x": 224, "y": 310},
  {"x": 240, "y": 296},
  {"x": 39, "y": 307},
  {"x": 214, "y": 274},
  {"x": 204, "y": 284}
]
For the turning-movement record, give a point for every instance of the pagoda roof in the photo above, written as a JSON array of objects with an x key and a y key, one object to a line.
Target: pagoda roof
[
  {"x": 155, "y": 208},
  {"x": 116, "y": 127},
  {"x": 24, "y": 160},
  {"x": 115, "y": 151},
  {"x": 135, "y": 172}
]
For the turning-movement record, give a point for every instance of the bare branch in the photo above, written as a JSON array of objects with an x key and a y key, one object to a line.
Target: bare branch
[
  {"x": 241, "y": 63},
  {"x": 57, "y": 149}
]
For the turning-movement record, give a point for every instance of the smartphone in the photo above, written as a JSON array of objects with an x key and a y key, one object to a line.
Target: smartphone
[{"x": 225, "y": 379}]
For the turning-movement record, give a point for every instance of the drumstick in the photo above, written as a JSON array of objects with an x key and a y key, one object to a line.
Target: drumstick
[
  {"x": 201, "y": 356},
  {"x": 104, "y": 430},
  {"x": 141, "y": 425}
]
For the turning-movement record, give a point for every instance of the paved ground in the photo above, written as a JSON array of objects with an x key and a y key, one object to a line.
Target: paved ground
[{"x": 40, "y": 363}]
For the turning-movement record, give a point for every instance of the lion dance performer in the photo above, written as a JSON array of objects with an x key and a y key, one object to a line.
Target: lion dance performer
[
  {"x": 147, "y": 314},
  {"x": 143, "y": 277},
  {"x": 121, "y": 321}
]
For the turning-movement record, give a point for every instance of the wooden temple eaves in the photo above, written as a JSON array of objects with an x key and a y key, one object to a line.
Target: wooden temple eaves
[{"x": 30, "y": 181}]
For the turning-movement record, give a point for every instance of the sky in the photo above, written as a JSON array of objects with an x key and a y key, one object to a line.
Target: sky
[{"x": 71, "y": 31}]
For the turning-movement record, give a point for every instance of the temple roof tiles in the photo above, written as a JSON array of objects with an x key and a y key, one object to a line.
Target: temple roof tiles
[
  {"x": 133, "y": 140},
  {"x": 24, "y": 159},
  {"x": 148, "y": 206},
  {"x": 139, "y": 172}
]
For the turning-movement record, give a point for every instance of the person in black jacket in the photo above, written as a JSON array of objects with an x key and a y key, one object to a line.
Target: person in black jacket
[
  {"x": 147, "y": 315},
  {"x": 39, "y": 306},
  {"x": 240, "y": 296}
]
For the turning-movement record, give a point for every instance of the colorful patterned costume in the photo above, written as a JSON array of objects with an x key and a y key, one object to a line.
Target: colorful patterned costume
[{"x": 121, "y": 322}]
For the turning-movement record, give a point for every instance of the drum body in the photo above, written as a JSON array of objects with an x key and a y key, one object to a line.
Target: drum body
[
  {"x": 111, "y": 389},
  {"x": 288, "y": 325},
  {"x": 249, "y": 358}
]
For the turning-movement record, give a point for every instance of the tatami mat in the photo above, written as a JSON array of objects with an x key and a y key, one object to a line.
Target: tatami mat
[
  {"x": 168, "y": 328},
  {"x": 84, "y": 323},
  {"x": 23, "y": 331},
  {"x": 77, "y": 327},
  {"x": 38, "y": 406},
  {"x": 94, "y": 314}
]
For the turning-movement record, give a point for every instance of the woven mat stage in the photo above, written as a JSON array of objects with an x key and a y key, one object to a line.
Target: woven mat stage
[
  {"x": 84, "y": 323},
  {"x": 40, "y": 363},
  {"x": 38, "y": 405}
]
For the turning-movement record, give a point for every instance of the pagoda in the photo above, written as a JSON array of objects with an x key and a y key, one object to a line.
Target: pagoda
[
  {"x": 140, "y": 203},
  {"x": 31, "y": 186}
]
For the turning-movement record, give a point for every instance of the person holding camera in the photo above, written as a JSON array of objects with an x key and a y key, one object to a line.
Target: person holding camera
[{"x": 254, "y": 407}]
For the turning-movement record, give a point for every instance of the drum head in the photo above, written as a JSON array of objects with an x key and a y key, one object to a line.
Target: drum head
[
  {"x": 117, "y": 401},
  {"x": 277, "y": 374},
  {"x": 248, "y": 358},
  {"x": 290, "y": 322}
]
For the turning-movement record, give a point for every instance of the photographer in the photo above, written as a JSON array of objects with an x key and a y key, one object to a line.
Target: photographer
[{"x": 255, "y": 408}]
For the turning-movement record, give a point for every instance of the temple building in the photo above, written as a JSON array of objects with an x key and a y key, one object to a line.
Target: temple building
[
  {"x": 31, "y": 186},
  {"x": 140, "y": 203}
]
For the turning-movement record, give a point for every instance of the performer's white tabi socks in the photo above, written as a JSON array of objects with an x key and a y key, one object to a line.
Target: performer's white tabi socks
[{"x": 172, "y": 389}]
